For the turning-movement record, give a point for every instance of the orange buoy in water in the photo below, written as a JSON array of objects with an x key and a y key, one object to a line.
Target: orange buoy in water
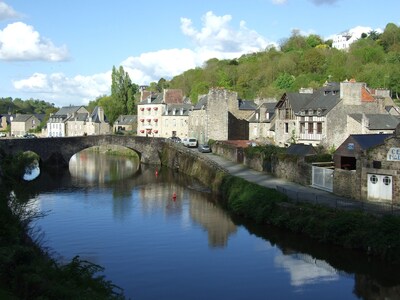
[{"x": 174, "y": 196}]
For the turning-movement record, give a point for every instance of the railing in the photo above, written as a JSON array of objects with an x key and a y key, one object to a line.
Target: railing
[{"x": 337, "y": 202}]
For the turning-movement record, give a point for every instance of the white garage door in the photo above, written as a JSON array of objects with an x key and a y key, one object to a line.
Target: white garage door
[{"x": 379, "y": 187}]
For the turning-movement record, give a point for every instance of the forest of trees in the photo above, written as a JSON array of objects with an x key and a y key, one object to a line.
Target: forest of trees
[
  {"x": 19, "y": 106},
  {"x": 301, "y": 61}
]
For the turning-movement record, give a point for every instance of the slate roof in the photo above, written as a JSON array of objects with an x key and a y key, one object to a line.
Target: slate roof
[
  {"x": 378, "y": 121},
  {"x": 324, "y": 98},
  {"x": 95, "y": 116},
  {"x": 201, "y": 102},
  {"x": 22, "y": 117},
  {"x": 67, "y": 110},
  {"x": 246, "y": 105},
  {"x": 155, "y": 98},
  {"x": 367, "y": 141},
  {"x": 300, "y": 150},
  {"x": 269, "y": 107},
  {"x": 126, "y": 119},
  {"x": 170, "y": 108},
  {"x": 79, "y": 117}
]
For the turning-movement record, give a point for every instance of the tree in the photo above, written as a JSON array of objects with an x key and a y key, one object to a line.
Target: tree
[{"x": 123, "y": 91}]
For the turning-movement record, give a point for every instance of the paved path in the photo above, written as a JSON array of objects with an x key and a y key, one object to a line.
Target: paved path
[{"x": 296, "y": 191}]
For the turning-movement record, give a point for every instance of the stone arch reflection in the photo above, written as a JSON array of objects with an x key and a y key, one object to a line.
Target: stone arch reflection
[{"x": 91, "y": 165}]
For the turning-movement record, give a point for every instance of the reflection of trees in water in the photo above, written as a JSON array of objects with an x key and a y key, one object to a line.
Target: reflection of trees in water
[
  {"x": 358, "y": 265},
  {"x": 369, "y": 289}
]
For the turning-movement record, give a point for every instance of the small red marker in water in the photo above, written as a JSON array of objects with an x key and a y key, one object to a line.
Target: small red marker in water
[
  {"x": 156, "y": 173},
  {"x": 174, "y": 196}
]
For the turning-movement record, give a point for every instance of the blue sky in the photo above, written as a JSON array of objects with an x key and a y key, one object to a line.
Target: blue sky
[{"x": 63, "y": 51}]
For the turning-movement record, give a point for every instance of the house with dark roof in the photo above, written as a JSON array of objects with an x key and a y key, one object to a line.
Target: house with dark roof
[
  {"x": 319, "y": 117},
  {"x": 379, "y": 174},
  {"x": 125, "y": 123},
  {"x": 372, "y": 123},
  {"x": 350, "y": 151},
  {"x": 24, "y": 123},
  {"x": 77, "y": 121}
]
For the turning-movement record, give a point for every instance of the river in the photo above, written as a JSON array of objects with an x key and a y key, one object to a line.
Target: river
[{"x": 125, "y": 217}]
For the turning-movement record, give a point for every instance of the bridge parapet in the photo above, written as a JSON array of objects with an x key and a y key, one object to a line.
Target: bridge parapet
[{"x": 57, "y": 151}]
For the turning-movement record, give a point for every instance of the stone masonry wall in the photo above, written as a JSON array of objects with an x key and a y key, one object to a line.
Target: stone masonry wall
[
  {"x": 294, "y": 170},
  {"x": 345, "y": 183},
  {"x": 217, "y": 110}
]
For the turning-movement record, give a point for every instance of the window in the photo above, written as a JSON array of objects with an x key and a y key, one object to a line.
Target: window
[
  {"x": 302, "y": 128},
  {"x": 386, "y": 180},
  {"x": 311, "y": 127},
  {"x": 287, "y": 113},
  {"x": 373, "y": 179},
  {"x": 319, "y": 127},
  {"x": 286, "y": 127}
]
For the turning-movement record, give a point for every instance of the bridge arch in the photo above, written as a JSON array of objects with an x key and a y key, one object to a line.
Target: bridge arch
[{"x": 58, "y": 151}]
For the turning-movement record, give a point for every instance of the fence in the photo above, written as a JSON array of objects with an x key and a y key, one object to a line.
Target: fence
[{"x": 339, "y": 202}]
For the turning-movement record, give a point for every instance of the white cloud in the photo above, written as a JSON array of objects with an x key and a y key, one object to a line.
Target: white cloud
[
  {"x": 216, "y": 36},
  {"x": 19, "y": 41},
  {"x": 64, "y": 90},
  {"x": 7, "y": 12},
  {"x": 152, "y": 66},
  {"x": 216, "y": 39}
]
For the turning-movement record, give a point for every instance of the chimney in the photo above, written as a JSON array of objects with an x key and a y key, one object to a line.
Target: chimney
[{"x": 364, "y": 124}]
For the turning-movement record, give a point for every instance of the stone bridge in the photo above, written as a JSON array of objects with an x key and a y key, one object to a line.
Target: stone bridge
[{"x": 57, "y": 151}]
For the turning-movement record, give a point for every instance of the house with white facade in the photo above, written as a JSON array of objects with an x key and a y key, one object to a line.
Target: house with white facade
[
  {"x": 77, "y": 121},
  {"x": 161, "y": 114}
]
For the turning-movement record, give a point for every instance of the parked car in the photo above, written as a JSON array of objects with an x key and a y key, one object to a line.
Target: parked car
[
  {"x": 174, "y": 139},
  {"x": 2, "y": 134},
  {"x": 192, "y": 142},
  {"x": 185, "y": 142},
  {"x": 204, "y": 148},
  {"x": 29, "y": 136}
]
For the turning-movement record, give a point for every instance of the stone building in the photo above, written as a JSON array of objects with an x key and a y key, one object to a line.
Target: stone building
[
  {"x": 321, "y": 117},
  {"x": 261, "y": 122},
  {"x": 220, "y": 115},
  {"x": 77, "y": 121},
  {"x": 380, "y": 171},
  {"x": 23, "y": 123},
  {"x": 125, "y": 123}
]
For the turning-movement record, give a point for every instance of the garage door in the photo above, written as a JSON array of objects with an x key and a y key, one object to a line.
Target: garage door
[{"x": 379, "y": 187}]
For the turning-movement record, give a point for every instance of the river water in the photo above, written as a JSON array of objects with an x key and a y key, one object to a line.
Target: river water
[{"x": 123, "y": 216}]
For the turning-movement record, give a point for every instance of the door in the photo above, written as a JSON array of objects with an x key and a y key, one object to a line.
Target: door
[{"x": 380, "y": 187}]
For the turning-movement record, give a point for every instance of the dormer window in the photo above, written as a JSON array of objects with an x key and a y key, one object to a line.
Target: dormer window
[{"x": 310, "y": 112}]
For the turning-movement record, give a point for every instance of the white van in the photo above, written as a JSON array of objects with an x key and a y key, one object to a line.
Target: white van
[{"x": 192, "y": 142}]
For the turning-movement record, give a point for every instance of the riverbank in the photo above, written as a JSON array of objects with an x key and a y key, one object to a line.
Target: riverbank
[{"x": 377, "y": 236}]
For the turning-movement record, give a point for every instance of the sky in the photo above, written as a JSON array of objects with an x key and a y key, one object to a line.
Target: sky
[{"x": 63, "y": 52}]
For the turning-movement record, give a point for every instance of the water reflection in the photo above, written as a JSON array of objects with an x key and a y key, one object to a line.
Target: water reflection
[
  {"x": 32, "y": 172},
  {"x": 100, "y": 168},
  {"x": 135, "y": 229},
  {"x": 304, "y": 269}
]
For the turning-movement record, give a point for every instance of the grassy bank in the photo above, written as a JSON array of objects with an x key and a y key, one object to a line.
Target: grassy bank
[
  {"x": 26, "y": 269},
  {"x": 376, "y": 236}
]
